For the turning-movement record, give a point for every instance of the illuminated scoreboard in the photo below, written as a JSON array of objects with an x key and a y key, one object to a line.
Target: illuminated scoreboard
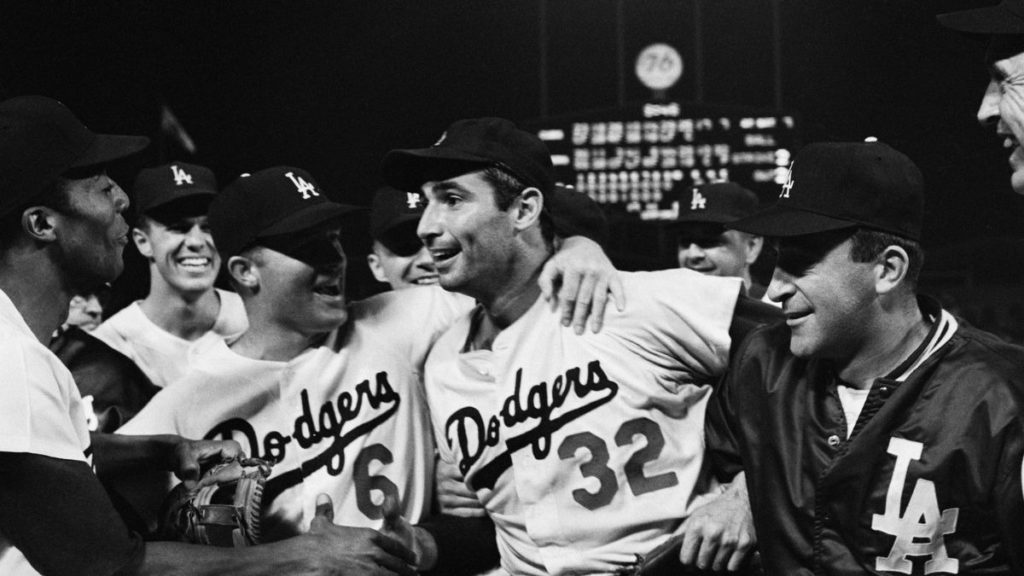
[{"x": 632, "y": 159}]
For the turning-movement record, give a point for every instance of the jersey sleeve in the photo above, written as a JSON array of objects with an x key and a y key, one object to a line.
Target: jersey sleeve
[
  {"x": 680, "y": 318},
  {"x": 159, "y": 416},
  {"x": 34, "y": 404},
  {"x": 58, "y": 515}
]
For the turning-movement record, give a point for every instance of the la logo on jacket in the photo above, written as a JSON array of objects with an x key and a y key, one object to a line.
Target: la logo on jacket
[{"x": 919, "y": 530}]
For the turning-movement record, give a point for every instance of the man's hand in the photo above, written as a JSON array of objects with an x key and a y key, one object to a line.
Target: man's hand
[
  {"x": 453, "y": 495},
  {"x": 187, "y": 457},
  {"x": 579, "y": 278},
  {"x": 720, "y": 534},
  {"x": 417, "y": 539},
  {"x": 356, "y": 550}
]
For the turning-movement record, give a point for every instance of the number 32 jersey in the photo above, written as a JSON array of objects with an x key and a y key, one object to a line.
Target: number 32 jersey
[{"x": 585, "y": 450}]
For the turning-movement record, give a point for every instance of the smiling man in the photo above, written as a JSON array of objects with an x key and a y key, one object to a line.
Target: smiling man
[
  {"x": 1002, "y": 105},
  {"x": 182, "y": 305},
  {"x": 399, "y": 258},
  {"x": 872, "y": 431},
  {"x": 705, "y": 242},
  {"x": 585, "y": 450}
]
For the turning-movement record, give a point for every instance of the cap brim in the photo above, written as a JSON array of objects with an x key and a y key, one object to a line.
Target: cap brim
[
  {"x": 309, "y": 218},
  {"x": 379, "y": 232},
  {"x": 110, "y": 147},
  {"x": 712, "y": 218},
  {"x": 989, "y": 20},
  {"x": 780, "y": 221},
  {"x": 409, "y": 169}
]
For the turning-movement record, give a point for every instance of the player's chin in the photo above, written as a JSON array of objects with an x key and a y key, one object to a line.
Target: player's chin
[{"x": 1017, "y": 180}]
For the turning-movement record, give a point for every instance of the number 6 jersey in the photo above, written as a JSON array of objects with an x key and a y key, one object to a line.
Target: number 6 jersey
[{"x": 585, "y": 450}]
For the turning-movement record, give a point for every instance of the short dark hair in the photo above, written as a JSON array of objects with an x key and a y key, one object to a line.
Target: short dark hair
[
  {"x": 54, "y": 195},
  {"x": 866, "y": 244},
  {"x": 507, "y": 187}
]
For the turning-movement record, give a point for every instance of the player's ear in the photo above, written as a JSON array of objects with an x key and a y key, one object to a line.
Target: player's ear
[
  {"x": 527, "y": 208},
  {"x": 244, "y": 272},
  {"x": 754, "y": 246},
  {"x": 376, "y": 267},
  {"x": 40, "y": 223},
  {"x": 891, "y": 269},
  {"x": 141, "y": 240}
]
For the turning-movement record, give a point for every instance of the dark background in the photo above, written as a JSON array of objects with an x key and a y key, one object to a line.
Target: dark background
[{"x": 330, "y": 86}]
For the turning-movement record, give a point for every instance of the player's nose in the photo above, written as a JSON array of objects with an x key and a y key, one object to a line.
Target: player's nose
[
  {"x": 781, "y": 286},
  {"x": 429, "y": 225},
  {"x": 988, "y": 110}
]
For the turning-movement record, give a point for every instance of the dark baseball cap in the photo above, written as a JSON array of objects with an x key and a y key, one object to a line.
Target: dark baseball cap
[
  {"x": 41, "y": 139},
  {"x": 394, "y": 217},
  {"x": 573, "y": 213},
  {"x": 469, "y": 145},
  {"x": 157, "y": 187},
  {"x": 1007, "y": 17},
  {"x": 275, "y": 202},
  {"x": 719, "y": 203},
  {"x": 837, "y": 185}
]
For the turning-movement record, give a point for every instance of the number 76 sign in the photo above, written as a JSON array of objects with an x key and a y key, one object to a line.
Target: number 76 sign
[{"x": 659, "y": 66}]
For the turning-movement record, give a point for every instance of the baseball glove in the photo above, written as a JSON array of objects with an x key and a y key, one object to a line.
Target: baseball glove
[{"x": 223, "y": 510}]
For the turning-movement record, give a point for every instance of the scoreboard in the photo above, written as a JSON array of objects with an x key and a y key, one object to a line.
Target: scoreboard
[{"x": 633, "y": 160}]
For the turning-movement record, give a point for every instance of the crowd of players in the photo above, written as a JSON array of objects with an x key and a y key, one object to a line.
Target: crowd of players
[{"x": 835, "y": 421}]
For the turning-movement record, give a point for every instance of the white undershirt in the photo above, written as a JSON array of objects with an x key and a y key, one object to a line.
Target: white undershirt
[{"x": 852, "y": 400}]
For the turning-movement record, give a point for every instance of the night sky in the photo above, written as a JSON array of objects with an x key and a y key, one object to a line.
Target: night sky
[{"x": 331, "y": 86}]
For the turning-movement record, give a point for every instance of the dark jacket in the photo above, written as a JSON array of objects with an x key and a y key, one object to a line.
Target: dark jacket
[{"x": 933, "y": 465}]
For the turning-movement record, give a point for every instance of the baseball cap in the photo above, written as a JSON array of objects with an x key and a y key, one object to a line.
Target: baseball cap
[
  {"x": 394, "y": 217},
  {"x": 1007, "y": 17},
  {"x": 157, "y": 187},
  {"x": 837, "y": 185},
  {"x": 469, "y": 145},
  {"x": 275, "y": 202},
  {"x": 720, "y": 203},
  {"x": 40, "y": 139},
  {"x": 574, "y": 213}
]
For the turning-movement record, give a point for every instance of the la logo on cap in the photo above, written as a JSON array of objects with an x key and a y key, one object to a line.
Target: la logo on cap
[
  {"x": 698, "y": 202},
  {"x": 303, "y": 187},
  {"x": 789, "y": 183},
  {"x": 180, "y": 176},
  {"x": 412, "y": 199}
]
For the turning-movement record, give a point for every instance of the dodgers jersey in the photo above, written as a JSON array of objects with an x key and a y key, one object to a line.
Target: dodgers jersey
[
  {"x": 160, "y": 355},
  {"x": 347, "y": 418},
  {"x": 585, "y": 450}
]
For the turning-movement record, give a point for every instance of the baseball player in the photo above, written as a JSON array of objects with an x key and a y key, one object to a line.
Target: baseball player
[
  {"x": 705, "y": 242},
  {"x": 329, "y": 391},
  {"x": 182, "y": 305},
  {"x": 875, "y": 434},
  {"x": 1001, "y": 106},
  {"x": 398, "y": 257},
  {"x": 62, "y": 232},
  {"x": 586, "y": 451}
]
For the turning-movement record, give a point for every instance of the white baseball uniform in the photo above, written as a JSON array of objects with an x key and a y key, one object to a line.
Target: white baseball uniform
[
  {"x": 41, "y": 411},
  {"x": 347, "y": 418},
  {"x": 585, "y": 450},
  {"x": 160, "y": 355}
]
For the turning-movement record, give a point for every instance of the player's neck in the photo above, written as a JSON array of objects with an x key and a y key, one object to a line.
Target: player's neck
[
  {"x": 185, "y": 315},
  {"x": 39, "y": 292},
  {"x": 267, "y": 341},
  {"x": 895, "y": 338}
]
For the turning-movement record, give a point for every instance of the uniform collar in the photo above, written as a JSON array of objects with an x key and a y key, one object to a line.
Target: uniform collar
[{"x": 9, "y": 312}]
